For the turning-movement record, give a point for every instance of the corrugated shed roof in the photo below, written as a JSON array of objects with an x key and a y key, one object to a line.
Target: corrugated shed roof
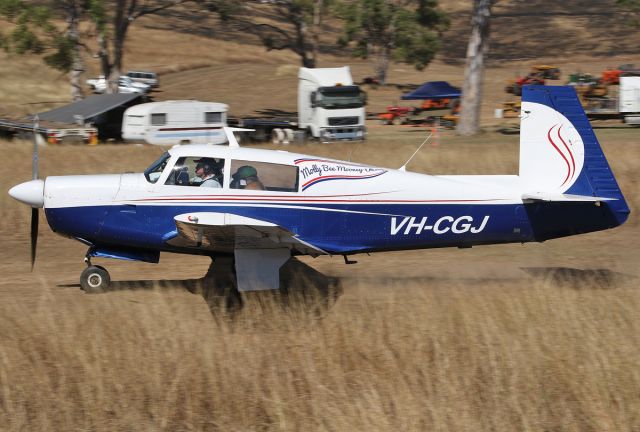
[{"x": 88, "y": 108}]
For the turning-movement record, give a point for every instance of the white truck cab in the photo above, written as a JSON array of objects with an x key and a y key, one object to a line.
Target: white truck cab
[{"x": 330, "y": 106}]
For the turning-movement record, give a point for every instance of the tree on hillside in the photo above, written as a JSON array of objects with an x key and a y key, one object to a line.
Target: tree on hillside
[
  {"x": 112, "y": 30},
  {"x": 35, "y": 33},
  {"x": 478, "y": 46},
  {"x": 304, "y": 18},
  {"x": 632, "y": 8},
  {"x": 112, "y": 27},
  {"x": 401, "y": 30}
]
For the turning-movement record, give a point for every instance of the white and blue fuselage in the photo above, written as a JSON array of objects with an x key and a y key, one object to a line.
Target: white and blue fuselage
[{"x": 310, "y": 205}]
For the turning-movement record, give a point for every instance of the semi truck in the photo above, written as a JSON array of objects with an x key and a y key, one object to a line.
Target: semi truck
[{"x": 330, "y": 107}]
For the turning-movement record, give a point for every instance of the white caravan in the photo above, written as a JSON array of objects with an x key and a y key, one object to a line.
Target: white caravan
[
  {"x": 176, "y": 122},
  {"x": 330, "y": 106}
]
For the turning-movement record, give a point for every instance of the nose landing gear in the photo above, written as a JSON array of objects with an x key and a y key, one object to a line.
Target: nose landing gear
[{"x": 94, "y": 279}]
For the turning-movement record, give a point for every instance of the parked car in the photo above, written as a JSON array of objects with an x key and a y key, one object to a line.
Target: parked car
[
  {"x": 125, "y": 85},
  {"x": 149, "y": 78}
]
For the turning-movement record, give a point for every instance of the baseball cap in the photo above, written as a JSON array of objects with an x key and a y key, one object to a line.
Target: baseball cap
[{"x": 246, "y": 171}]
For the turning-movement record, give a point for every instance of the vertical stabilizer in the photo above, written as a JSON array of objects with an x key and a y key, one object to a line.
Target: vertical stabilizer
[{"x": 559, "y": 152}]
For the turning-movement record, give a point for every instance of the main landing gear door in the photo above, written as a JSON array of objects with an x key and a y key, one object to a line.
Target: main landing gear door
[{"x": 259, "y": 269}]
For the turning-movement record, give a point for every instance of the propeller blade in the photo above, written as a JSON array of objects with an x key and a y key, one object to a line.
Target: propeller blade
[
  {"x": 35, "y": 215},
  {"x": 34, "y": 234},
  {"x": 34, "y": 167}
]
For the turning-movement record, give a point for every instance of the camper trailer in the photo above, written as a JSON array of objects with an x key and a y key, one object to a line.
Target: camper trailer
[{"x": 175, "y": 122}]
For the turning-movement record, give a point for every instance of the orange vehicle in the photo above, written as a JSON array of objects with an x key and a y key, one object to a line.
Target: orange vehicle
[
  {"x": 399, "y": 114},
  {"x": 612, "y": 76},
  {"x": 537, "y": 76},
  {"x": 435, "y": 104},
  {"x": 396, "y": 115}
]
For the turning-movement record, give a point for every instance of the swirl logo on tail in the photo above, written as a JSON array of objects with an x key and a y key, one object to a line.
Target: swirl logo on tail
[{"x": 563, "y": 150}]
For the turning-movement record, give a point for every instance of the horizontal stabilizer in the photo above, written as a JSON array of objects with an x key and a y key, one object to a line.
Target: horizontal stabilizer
[{"x": 563, "y": 197}]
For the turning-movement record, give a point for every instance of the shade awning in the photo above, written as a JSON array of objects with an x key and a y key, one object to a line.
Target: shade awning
[
  {"x": 88, "y": 108},
  {"x": 433, "y": 90}
]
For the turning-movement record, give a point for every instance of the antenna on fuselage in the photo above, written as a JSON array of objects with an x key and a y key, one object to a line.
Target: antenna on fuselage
[
  {"x": 404, "y": 167},
  {"x": 228, "y": 131}
]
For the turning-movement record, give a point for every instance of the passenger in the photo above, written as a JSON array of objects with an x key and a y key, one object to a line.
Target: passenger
[
  {"x": 247, "y": 178},
  {"x": 208, "y": 172}
]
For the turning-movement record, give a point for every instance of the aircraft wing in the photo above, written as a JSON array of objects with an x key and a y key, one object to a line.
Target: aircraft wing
[
  {"x": 226, "y": 233},
  {"x": 259, "y": 247}
]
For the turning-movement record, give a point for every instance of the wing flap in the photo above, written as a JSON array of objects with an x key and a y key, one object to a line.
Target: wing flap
[{"x": 226, "y": 232}]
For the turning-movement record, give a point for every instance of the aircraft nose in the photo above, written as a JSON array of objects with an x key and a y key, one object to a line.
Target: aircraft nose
[{"x": 31, "y": 193}]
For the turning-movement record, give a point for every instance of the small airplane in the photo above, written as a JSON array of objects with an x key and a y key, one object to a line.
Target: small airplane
[{"x": 251, "y": 209}]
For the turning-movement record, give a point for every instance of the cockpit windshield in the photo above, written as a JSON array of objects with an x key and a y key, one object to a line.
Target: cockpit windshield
[
  {"x": 152, "y": 174},
  {"x": 341, "y": 97}
]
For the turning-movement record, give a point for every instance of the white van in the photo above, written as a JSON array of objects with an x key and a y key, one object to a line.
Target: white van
[
  {"x": 176, "y": 122},
  {"x": 149, "y": 78}
]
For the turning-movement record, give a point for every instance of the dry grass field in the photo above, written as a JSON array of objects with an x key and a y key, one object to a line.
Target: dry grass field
[
  {"x": 535, "y": 337},
  {"x": 518, "y": 337}
]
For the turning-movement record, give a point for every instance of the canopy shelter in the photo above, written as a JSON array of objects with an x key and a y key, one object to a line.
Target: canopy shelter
[
  {"x": 433, "y": 90},
  {"x": 103, "y": 111}
]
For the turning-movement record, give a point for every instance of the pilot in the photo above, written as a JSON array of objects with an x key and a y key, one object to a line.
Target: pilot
[
  {"x": 208, "y": 172},
  {"x": 247, "y": 178}
]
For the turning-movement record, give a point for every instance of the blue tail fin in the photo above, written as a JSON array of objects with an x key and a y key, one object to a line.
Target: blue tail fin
[{"x": 559, "y": 152}]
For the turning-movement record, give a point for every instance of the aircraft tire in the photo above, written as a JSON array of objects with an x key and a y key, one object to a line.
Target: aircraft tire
[{"x": 95, "y": 280}]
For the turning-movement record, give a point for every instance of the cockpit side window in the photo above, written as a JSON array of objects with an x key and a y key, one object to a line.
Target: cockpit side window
[
  {"x": 253, "y": 175},
  {"x": 197, "y": 171},
  {"x": 153, "y": 173}
]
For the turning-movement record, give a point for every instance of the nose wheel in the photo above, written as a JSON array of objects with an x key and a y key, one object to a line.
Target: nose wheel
[{"x": 95, "y": 279}]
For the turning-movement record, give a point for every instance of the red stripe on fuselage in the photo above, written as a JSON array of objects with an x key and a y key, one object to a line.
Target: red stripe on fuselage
[{"x": 178, "y": 199}]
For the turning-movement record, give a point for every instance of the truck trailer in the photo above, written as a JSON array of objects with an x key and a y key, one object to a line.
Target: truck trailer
[{"x": 614, "y": 101}]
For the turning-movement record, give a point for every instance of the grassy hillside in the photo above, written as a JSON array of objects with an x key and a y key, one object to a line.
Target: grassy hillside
[{"x": 202, "y": 58}]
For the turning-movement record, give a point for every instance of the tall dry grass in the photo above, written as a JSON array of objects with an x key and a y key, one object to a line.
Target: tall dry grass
[{"x": 556, "y": 355}]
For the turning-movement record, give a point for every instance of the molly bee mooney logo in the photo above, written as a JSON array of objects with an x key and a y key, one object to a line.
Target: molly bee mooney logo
[{"x": 315, "y": 171}]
